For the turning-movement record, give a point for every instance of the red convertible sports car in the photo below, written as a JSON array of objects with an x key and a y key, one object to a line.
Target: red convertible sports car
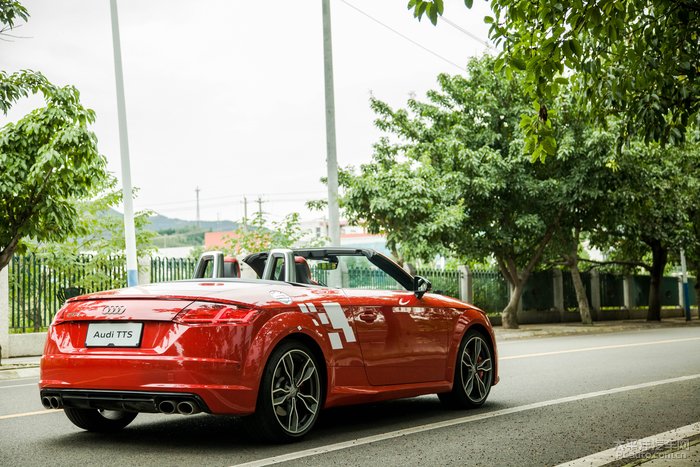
[{"x": 277, "y": 348}]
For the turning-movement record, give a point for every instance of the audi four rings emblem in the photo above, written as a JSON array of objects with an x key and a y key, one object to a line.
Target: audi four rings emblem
[{"x": 113, "y": 309}]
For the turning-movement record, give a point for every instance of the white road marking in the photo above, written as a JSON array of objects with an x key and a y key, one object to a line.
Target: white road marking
[
  {"x": 20, "y": 385},
  {"x": 603, "y": 347},
  {"x": 28, "y": 414},
  {"x": 457, "y": 421},
  {"x": 635, "y": 447}
]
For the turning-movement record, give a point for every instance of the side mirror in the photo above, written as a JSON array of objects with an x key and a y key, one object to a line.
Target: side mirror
[{"x": 421, "y": 285}]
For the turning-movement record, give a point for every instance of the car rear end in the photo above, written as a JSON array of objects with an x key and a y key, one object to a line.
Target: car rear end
[{"x": 177, "y": 354}]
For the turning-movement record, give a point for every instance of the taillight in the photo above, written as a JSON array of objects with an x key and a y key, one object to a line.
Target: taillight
[{"x": 214, "y": 313}]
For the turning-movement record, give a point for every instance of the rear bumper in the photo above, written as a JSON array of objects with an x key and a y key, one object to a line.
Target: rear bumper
[
  {"x": 130, "y": 401},
  {"x": 139, "y": 382}
]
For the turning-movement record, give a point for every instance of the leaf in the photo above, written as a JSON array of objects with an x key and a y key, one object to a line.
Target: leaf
[
  {"x": 518, "y": 63},
  {"x": 468, "y": 3}
]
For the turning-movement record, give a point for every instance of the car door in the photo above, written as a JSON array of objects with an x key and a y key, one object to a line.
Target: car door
[{"x": 403, "y": 339}]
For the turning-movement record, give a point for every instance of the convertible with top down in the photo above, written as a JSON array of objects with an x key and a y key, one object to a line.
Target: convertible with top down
[{"x": 276, "y": 337}]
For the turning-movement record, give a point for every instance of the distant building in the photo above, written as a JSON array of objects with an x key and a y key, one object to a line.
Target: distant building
[{"x": 217, "y": 240}]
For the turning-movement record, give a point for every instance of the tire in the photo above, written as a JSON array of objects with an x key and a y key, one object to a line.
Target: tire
[
  {"x": 101, "y": 421},
  {"x": 473, "y": 373},
  {"x": 290, "y": 395}
]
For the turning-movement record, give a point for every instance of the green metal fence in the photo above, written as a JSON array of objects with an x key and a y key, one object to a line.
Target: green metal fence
[
  {"x": 172, "y": 269},
  {"x": 490, "y": 290},
  {"x": 611, "y": 291},
  {"x": 39, "y": 286}
]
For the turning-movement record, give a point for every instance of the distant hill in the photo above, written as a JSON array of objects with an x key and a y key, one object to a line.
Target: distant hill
[
  {"x": 160, "y": 222},
  {"x": 172, "y": 232}
]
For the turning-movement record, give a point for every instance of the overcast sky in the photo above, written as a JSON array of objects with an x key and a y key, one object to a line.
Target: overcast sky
[{"x": 230, "y": 98}]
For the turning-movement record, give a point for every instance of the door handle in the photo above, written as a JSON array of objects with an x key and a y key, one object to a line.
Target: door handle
[{"x": 368, "y": 317}]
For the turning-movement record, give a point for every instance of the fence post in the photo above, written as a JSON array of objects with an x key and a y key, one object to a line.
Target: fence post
[
  {"x": 627, "y": 290},
  {"x": 466, "y": 284},
  {"x": 4, "y": 312},
  {"x": 558, "y": 291},
  {"x": 595, "y": 292}
]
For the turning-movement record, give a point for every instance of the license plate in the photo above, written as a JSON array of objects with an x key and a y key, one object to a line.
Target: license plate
[{"x": 114, "y": 335}]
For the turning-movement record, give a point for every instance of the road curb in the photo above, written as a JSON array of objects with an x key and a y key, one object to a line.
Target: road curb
[{"x": 16, "y": 373}]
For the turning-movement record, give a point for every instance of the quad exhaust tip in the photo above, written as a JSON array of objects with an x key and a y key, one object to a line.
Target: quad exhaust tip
[
  {"x": 167, "y": 407},
  {"x": 187, "y": 408},
  {"x": 51, "y": 402}
]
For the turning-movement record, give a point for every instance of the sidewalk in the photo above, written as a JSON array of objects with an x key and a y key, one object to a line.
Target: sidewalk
[{"x": 530, "y": 331}]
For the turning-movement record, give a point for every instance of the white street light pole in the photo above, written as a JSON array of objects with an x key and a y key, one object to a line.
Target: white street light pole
[
  {"x": 331, "y": 158},
  {"x": 129, "y": 229}
]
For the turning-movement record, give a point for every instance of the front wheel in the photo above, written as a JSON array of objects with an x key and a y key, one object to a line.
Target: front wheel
[
  {"x": 290, "y": 394},
  {"x": 473, "y": 373},
  {"x": 103, "y": 421}
]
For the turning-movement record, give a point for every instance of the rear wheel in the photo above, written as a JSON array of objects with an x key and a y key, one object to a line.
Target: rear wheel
[
  {"x": 473, "y": 373},
  {"x": 98, "y": 420},
  {"x": 290, "y": 395}
]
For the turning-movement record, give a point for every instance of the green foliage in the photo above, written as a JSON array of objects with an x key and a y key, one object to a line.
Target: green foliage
[
  {"x": 49, "y": 161},
  {"x": 653, "y": 200},
  {"x": 100, "y": 234},
  {"x": 182, "y": 236},
  {"x": 634, "y": 59},
  {"x": 454, "y": 178},
  {"x": 11, "y": 11},
  {"x": 258, "y": 236}
]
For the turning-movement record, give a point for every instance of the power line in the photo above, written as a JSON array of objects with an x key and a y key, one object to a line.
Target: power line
[
  {"x": 462, "y": 30},
  {"x": 432, "y": 52}
]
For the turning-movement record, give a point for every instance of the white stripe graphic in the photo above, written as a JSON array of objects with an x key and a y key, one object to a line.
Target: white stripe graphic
[
  {"x": 339, "y": 320},
  {"x": 303, "y": 308},
  {"x": 336, "y": 343}
]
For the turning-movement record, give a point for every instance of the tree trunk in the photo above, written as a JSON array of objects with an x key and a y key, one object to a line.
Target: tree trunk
[
  {"x": 572, "y": 262},
  {"x": 7, "y": 252},
  {"x": 509, "y": 316},
  {"x": 583, "y": 307},
  {"x": 659, "y": 258}
]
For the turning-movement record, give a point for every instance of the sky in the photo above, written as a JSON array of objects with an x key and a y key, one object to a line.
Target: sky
[{"x": 230, "y": 98}]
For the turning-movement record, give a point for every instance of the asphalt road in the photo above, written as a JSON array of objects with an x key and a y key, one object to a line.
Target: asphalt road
[{"x": 559, "y": 399}]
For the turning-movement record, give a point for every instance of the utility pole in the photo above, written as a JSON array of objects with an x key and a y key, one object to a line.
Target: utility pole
[
  {"x": 132, "y": 276},
  {"x": 245, "y": 214},
  {"x": 260, "y": 203},
  {"x": 331, "y": 157},
  {"x": 197, "y": 190}
]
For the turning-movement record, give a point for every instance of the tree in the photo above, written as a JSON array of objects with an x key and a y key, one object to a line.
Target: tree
[
  {"x": 650, "y": 208},
  {"x": 255, "y": 236},
  {"x": 99, "y": 232},
  {"x": 49, "y": 161},
  {"x": 635, "y": 59},
  {"x": 453, "y": 177},
  {"x": 48, "y": 158}
]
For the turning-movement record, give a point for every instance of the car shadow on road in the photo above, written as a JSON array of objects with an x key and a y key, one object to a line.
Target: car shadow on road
[{"x": 226, "y": 433}]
